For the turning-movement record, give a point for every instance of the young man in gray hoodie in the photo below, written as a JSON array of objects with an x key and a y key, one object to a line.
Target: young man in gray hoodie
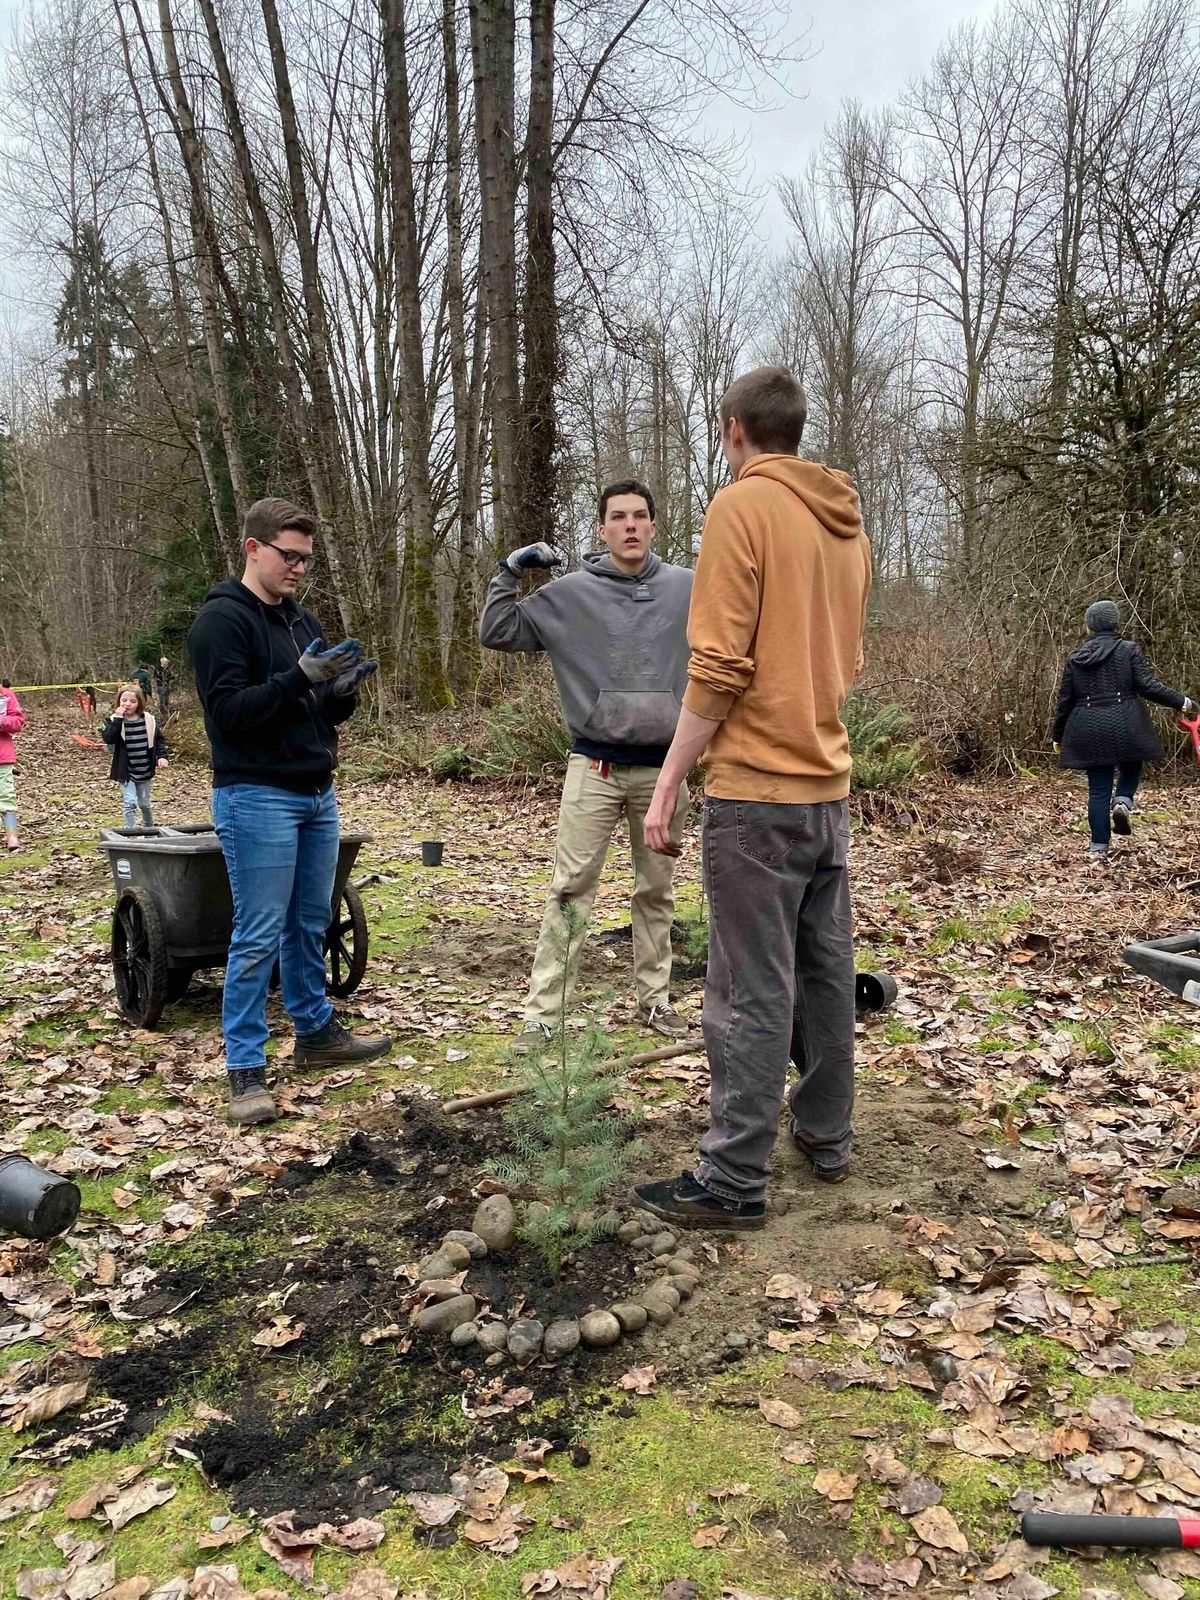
[{"x": 616, "y": 635}]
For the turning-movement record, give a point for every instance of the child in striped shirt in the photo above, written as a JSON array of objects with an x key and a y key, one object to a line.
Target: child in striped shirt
[{"x": 139, "y": 751}]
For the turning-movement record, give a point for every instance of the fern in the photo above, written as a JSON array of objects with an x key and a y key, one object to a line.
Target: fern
[{"x": 880, "y": 761}]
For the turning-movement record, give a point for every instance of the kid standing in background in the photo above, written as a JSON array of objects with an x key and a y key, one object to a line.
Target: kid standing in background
[
  {"x": 12, "y": 720},
  {"x": 139, "y": 751}
]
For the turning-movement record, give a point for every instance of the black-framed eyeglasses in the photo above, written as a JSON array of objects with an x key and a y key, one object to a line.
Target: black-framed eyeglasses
[{"x": 293, "y": 558}]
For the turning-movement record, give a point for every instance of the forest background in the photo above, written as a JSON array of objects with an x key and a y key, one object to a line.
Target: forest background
[{"x": 439, "y": 270}]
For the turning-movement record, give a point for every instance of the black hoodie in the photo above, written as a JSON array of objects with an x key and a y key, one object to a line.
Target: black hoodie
[{"x": 265, "y": 722}]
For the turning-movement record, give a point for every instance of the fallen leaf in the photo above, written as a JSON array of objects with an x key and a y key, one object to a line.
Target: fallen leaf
[
  {"x": 136, "y": 1501},
  {"x": 130, "y": 1589},
  {"x": 217, "y": 1539},
  {"x": 835, "y": 1485},
  {"x": 35, "y": 1494},
  {"x": 41, "y": 1583},
  {"x": 798, "y": 1453},
  {"x": 780, "y": 1415},
  {"x": 728, "y": 1491},
  {"x": 640, "y": 1380},
  {"x": 709, "y": 1536},
  {"x": 218, "y": 1583},
  {"x": 434, "y": 1510},
  {"x": 47, "y": 1401},
  {"x": 1159, "y": 1588},
  {"x": 361, "y": 1534},
  {"x": 937, "y": 1527},
  {"x": 784, "y": 1286},
  {"x": 533, "y": 1451},
  {"x": 278, "y": 1332},
  {"x": 369, "y": 1583}
]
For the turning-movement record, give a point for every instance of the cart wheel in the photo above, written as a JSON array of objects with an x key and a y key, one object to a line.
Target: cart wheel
[
  {"x": 139, "y": 957},
  {"x": 346, "y": 940},
  {"x": 178, "y": 979}
]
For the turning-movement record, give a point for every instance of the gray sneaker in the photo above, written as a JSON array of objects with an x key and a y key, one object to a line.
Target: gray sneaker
[
  {"x": 249, "y": 1098},
  {"x": 666, "y": 1020},
  {"x": 533, "y": 1036},
  {"x": 335, "y": 1046},
  {"x": 1122, "y": 814},
  {"x": 1097, "y": 850}
]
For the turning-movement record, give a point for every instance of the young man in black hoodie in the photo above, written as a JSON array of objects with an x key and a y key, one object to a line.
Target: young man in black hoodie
[{"x": 273, "y": 696}]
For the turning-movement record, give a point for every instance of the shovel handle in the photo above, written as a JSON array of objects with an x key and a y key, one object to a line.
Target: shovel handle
[{"x": 1053, "y": 1528}]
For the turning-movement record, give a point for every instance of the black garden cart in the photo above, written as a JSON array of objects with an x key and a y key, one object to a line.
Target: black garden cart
[{"x": 174, "y": 915}]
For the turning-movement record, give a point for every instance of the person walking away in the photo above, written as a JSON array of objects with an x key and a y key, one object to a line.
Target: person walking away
[
  {"x": 162, "y": 687},
  {"x": 141, "y": 676},
  {"x": 615, "y": 633},
  {"x": 776, "y": 626},
  {"x": 1101, "y": 724},
  {"x": 273, "y": 697},
  {"x": 12, "y": 721},
  {"x": 139, "y": 752}
]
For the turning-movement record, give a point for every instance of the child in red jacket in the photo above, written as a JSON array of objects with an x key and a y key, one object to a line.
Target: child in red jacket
[{"x": 12, "y": 720}]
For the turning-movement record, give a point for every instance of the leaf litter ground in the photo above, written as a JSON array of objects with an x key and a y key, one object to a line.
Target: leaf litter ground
[{"x": 996, "y": 1311}]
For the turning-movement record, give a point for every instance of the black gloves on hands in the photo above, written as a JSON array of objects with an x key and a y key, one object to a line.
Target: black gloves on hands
[
  {"x": 533, "y": 555},
  {"x": 349, "y": 681},
  {"x": 323, "y": 666}
]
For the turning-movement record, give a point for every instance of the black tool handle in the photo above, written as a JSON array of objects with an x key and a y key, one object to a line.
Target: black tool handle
[{"x": 1049, "y": 1527}]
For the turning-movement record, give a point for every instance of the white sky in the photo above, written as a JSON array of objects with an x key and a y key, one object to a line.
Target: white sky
[{"x": 862, "y": 48}]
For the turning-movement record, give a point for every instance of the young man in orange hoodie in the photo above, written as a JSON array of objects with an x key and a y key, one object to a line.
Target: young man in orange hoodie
[{"x": 775, "y": 628}]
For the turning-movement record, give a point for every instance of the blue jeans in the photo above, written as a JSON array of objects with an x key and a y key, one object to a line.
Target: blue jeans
[
  {"x": 1101, "y": 797},
  {"x": 134, "y": 793},
  {"x": 281, "y": 852}
]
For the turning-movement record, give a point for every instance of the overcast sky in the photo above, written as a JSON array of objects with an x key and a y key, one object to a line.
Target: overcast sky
[{"x": 864, "y": 48}]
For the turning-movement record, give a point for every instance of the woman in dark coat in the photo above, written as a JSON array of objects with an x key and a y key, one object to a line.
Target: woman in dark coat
[{"x": 1101, "y": 722}]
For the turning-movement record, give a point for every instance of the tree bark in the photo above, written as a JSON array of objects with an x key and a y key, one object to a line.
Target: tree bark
[{"x": 432, "y": 690}]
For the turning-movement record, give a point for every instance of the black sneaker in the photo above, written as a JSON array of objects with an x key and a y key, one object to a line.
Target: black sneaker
[
  {"x": 688, "y": 1204},
  {"x": 250, "y": 1100},
  {"x": 1122, "y": 813},
  {"x": 827, "y": 1174},
  {"x": 336, "y": 1046}
]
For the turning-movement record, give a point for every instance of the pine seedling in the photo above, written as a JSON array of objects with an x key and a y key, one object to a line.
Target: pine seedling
[{"x": 567, "y": 1144}]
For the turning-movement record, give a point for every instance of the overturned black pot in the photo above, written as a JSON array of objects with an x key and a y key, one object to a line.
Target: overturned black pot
[
  {"x": 874, "y": 991},
  {"x": 431, "y": 852},
  {"x": 33, "y": 1202}
]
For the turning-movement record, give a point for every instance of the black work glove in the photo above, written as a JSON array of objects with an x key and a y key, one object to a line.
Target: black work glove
[
  {"x": 533, "y": 555},
  {"x": 349, "y": 681},
  {"x": 323, "y": 666}
]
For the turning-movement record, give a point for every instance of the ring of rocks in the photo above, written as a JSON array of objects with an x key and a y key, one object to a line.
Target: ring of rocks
[{"x": 450, "y": 1309}]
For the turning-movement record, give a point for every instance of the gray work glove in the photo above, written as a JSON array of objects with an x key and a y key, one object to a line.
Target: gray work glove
[
  {"x": 323, "y": 666},
  {"x": 533, "y": 555},
  {"x": 349, "y": 681}
]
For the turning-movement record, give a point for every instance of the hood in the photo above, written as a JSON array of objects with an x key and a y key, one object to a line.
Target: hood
[
  {"x": 1095, "y": 650},
  {"x": 235, "y": 589},
  {"x": 827, "y": 493},
  {"x": 601, "y": 565}
]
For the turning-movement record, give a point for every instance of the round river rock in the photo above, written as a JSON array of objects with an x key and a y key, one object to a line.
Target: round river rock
[
  {"x": 561, "y": 1338},
  {"x": 525, "y": 1340},
  {"x": 446, "y": 1315},
  {"x": 495, "y": 1222},
  {"x": 599, "y": 1328}
]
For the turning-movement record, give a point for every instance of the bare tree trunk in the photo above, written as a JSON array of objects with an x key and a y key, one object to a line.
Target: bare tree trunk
[
  {"x": 204, "y": 239},
  {"x": 227, "y": 541},
  {"x": 464, "y": 636},
  {"x": 323, "y": 500},
  {"x": 538, "y": 476},
  {"x": 493, "y": 52},
  {"x": 432, "y": 689}
]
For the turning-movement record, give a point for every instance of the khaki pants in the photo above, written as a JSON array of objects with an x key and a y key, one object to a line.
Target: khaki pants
[{"x": 591, "y": 808}]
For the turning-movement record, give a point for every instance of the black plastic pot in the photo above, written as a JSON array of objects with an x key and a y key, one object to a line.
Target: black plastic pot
[
  {"x": 431, "y": 852},
  {"x": 35, "y": 1203},
  {"x": 874, "y": 991}
]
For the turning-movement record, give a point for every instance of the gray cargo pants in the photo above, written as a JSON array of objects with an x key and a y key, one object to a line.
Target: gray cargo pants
[{"x": 780, "y": 985}]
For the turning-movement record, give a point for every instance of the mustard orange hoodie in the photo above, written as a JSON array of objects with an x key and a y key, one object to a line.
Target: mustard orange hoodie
[{"x": 775, "y": 628}]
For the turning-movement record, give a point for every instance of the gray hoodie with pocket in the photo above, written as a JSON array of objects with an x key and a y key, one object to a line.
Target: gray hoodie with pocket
[{"x": 617, "y": 645}]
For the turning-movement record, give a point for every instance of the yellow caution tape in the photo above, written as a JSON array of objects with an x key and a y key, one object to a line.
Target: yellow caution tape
[{"x": 33, "y": 688}]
